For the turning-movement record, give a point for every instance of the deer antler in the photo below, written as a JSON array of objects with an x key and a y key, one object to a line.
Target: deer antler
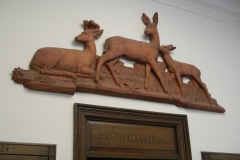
[
  {"x": 90, "y": 25},
  {"x": 93, "y": 25},
  {"x": 85, "y": 25}
]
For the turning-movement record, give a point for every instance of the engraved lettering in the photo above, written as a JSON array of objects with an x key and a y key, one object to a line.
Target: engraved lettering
[
  {"x": 156, "y": 139},
  {"x": 116, "y": 137},
  {"x": 123, "y": 137},
  {"x": 132, "y": 138},
  {"x": 151, "y": 139},
  {"x": 111, "y": 136},
  {"x": 138, "y": 139},
  {"x": 4, "y": 147},
  {"x": 126, "y": 137}
]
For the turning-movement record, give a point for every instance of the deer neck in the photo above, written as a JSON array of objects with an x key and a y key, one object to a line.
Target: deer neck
[
  {"x": 169, "y": 61},
  {"x": 154, "y": 40},
  {"x": 90, "y": 47}
]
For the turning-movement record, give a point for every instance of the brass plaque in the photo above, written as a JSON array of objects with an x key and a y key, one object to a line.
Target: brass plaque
[{"x": 27, "y": 151}]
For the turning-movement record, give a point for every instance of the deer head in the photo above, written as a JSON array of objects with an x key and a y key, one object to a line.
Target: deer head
[
  {"x": 151, "y": 26},
  {"x": 91, "y": 31},
  {"x": 166, "y": 48}
]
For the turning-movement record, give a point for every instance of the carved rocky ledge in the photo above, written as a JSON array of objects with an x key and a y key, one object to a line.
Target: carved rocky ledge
[{"x": 132, "y": 86}]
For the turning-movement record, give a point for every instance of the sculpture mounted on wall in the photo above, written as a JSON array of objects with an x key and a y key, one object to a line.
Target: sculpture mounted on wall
[{"x": 68, "y": 71}]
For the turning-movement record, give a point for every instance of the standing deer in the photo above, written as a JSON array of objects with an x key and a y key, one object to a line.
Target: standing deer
[
  {"x": 117, "y": 47},
  {"x": 70, "y": 62},
  {"x": 182, "y": 69}
]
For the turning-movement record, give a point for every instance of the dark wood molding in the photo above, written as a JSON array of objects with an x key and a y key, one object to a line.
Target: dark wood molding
[
  {"x": 107, "y": 132},
  {"x": 33, "y": 151},
  {"x": 219, "y": 156}
]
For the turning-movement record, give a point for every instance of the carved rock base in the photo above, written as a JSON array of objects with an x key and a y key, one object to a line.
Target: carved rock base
[{"x": 132, "y": 86}]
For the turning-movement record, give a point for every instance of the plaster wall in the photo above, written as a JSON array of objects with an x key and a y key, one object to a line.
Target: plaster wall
[{"x": 205, "y": 37}]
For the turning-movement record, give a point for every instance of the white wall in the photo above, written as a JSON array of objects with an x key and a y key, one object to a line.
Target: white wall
[{"x": 207, "y": 38}]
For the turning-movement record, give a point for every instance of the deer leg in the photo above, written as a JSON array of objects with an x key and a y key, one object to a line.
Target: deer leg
[
  {"x": 153, "y": 63},
  {"x": 57, "y": 72},
  {"x": 110, "y": 66},
  {"x": 109, "y": 55},
  {"x": 203, "y": 86},
  {"x": 170, "y": 81},
  {"x": 86, "y": 72},
  {"x": 147, "y": 69},
  {"x": 179, "y": 82},
  {"x": 101, "y": 61},
  {"x": 196, "y": 86}
]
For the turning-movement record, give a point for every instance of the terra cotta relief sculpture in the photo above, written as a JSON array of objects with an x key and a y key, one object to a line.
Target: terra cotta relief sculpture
[{"x": 68, "y": 71}]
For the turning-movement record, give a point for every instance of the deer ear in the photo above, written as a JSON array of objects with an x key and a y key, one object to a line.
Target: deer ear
[
  {"x": 145, "y": 19},
  {"x": 155, "y": 18}
]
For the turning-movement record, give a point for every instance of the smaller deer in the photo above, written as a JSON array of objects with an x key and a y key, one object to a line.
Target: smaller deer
[
  {"x": 182, "y": 69},
  {"x": 117, "y": 47},
  {"x": 70, "y": 62}
]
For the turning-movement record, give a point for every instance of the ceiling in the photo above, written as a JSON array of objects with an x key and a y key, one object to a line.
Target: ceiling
[
  {"x": 229, "y": 6},
  {"x": 234, "y": 2}
]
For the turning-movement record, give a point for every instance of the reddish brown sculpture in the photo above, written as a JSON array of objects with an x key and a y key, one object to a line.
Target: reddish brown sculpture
[
  {"x": 117, "y": 47},
  {"x": 67, "y": 71},
  {"x": 70, "y": 62},
  {"x": 183, "y": 70}
]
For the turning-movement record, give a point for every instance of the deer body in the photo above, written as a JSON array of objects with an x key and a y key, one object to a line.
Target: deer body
[
  {"x": 69, "y": 62},
  {"x": 117, "y": 47},
  {"x": 182, "y": 70},
  {"x": 136, "y": 51}
]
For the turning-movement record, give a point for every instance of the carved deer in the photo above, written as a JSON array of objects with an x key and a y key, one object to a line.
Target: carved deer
[
  {"x": 182, "y": 69},
  {"x": 70, "y": 62},
  {"x": 117, "y": 47}
]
